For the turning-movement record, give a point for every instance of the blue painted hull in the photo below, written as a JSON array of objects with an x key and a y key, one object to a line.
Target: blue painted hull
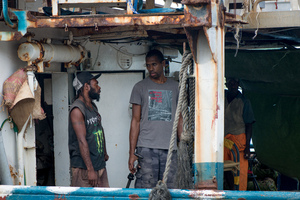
[{"x": 75, "y": 193}]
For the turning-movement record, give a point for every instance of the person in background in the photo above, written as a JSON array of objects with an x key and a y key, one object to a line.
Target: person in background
[
  {"x": 239, "y": 118},
  {"x": 86, "y": 135},
  {"x": 154, "y": 101}
]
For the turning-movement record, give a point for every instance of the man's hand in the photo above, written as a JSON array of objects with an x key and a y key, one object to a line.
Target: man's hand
[
  {"x": 93, "y": 178},
  {"x": 247, "y": 152},
  {"x": 132, "y": 159},
  {"x": 106, "y": 157}
]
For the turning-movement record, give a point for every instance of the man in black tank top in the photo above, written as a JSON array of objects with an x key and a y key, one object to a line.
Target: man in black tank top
[{"x": 86, "y": 135}]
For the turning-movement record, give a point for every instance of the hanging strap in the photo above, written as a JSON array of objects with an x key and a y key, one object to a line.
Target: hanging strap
[{"x": 9, "y": 119}]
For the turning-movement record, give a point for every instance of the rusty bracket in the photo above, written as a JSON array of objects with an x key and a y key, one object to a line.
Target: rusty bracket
[
  {"x": 231, "y": 19},
  {"x": 197, "y": 15},
  {"x": 208, "y": 184},
  {"x": 192, "y": 36},
  {"x": 66, "y": 28}
]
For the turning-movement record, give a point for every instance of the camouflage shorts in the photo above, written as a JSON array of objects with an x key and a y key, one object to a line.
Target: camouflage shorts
[{"x": 153, "y": 166}]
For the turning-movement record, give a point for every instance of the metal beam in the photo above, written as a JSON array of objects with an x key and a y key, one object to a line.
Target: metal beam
[
  {"x": 171, "y": 21},
  {"x": 207, "y": 45}
]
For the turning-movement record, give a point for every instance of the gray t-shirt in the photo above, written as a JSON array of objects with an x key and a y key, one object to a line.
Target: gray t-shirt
[{"x": 158, "y": 103}]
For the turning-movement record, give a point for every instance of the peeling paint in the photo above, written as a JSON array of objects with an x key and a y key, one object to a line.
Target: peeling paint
[
  {"x": 134, "y": 196},
  {"x": 107, "y": 189},
  {"x": 59, "y": 197},
  {"x": 62, "y": 190},
  {"x": 207, "y": 193}
]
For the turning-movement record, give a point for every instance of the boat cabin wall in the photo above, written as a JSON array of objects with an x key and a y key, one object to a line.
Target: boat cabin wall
[{"x": 116, "y": 83}]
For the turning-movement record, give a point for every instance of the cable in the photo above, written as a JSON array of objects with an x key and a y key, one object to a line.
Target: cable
[{"x": 96, "y": 57}]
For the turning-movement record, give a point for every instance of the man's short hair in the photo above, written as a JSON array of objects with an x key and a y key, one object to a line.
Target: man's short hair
[
  {"x": 156, "y": 53},
  {"x": 232, "y": 78}
]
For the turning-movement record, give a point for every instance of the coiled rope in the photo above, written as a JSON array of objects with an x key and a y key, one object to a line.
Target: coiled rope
[{"x": 161, "y": 191}]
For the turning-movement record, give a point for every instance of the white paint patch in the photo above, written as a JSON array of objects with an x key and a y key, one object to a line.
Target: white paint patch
[
  {"x": 108, "y": 189},
  {"x": 208, "y": 193},
  {"x": 62, "y": 190},
  {"x": 7, "y": 190}
]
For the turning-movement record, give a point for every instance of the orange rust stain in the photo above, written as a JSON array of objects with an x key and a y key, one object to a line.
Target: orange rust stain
[
  {"x": 25, "y": 56},
  {"x": 60, "y": 197},
  {"x": 12, "y": 172},
  {"x": 134, "y": 196}
]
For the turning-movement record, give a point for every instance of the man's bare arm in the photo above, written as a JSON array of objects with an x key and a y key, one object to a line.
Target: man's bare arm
[
  {"x": 248, "y": 130},
  {"x": 133, "y": 135},
  {"x": 78, "y": 124}
]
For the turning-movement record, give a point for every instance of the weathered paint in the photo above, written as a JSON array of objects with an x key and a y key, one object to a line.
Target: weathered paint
[
  {"x": 203, "y": 175},
  {"x": 26, "y": 20},
  {"x": 6, "y": 16},
  {"x": 208, "y": 49},
  {"x": 197, "y": 16},
  {"x": 104, "y": 21},
  {"x": 22, "y": 27},
  {"x": 50, "y": 193},
  {"x": 37, "y": 52}
]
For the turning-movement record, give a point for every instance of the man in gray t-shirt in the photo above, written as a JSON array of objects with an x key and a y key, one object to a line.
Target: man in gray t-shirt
[{"x": 154, "y": 102}]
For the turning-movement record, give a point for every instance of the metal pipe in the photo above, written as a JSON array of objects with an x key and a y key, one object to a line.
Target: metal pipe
[
  {"x": 6, "y": 16},
  {"x": 20, "y": 153},
  {"x": 4, "y": 168},
  {"x": 29, "y": 51}
]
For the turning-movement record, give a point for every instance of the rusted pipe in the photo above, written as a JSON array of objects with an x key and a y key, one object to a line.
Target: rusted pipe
[{"x": 38, "y": 52}]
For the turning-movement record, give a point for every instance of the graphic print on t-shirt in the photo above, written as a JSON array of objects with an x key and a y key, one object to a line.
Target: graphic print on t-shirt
[
  {"x": 160, "y": 105},
  {"x": 99, "y": 140}
]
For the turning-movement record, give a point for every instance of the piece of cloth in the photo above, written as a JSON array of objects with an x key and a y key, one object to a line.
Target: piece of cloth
[
  {"x": 94, "y": 137},
  {"x": 237, "y": 113},
  {"x": 158, "y": 104},
  {"x": 80, "y": 178},
  {"x": 240, "y": 141},
  {"x": 152, "y": 168}
]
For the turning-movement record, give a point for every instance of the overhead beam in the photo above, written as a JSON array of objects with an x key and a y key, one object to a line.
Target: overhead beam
[
  {"x": 278, "y": 19},
  {"x": 170, "y": 21}
]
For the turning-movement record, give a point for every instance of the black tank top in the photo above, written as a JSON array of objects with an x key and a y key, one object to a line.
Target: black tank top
[{"x": 94, "y": 137}]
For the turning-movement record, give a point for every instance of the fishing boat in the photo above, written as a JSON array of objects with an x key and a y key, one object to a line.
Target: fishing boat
[{"x": 45, "y": 43}]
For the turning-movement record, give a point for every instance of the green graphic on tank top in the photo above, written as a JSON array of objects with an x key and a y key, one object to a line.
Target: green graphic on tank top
[{"x": 99, "y": 141}]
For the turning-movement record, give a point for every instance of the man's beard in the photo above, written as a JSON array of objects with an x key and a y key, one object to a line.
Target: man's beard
[{"x": 94, "y": 95}]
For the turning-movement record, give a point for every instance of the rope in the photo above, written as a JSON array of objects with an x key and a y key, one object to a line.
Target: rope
[
  {"x": 182, "y": 85},
  {"x": 237, "y": 38},
  {"x": 185, "y": 150},
  {"x": 161, "y": 190}
]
